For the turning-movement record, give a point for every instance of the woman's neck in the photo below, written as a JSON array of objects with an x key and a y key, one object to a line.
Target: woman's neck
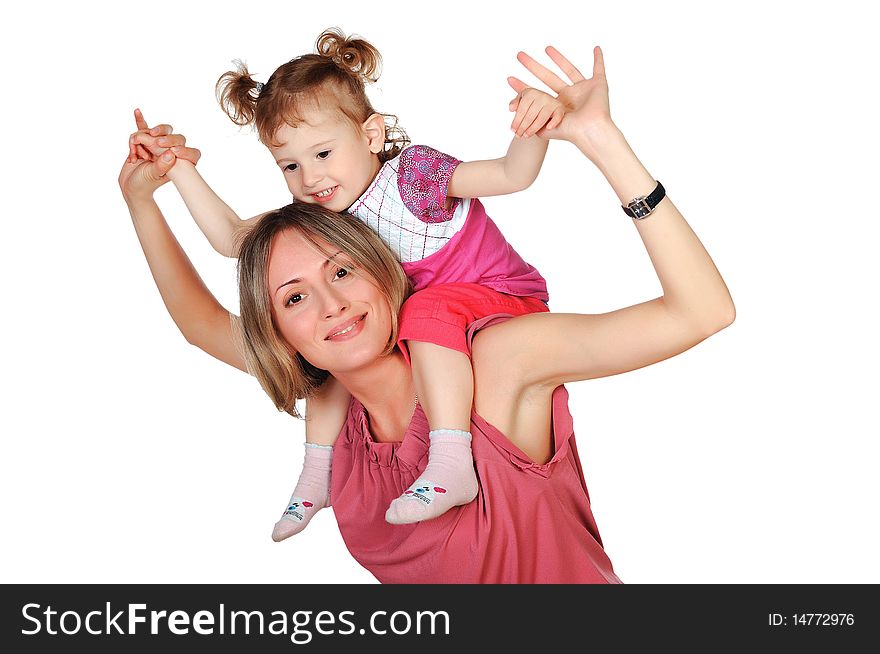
[{"x": 387, "y": 391}]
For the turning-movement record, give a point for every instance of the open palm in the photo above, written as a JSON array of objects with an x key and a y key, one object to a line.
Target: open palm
[{"x": 585, "y": 99}]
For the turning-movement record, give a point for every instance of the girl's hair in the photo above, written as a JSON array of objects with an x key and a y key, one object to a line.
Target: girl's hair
[
  {"x": 283, "y": 373},
  {"x": 339, "y": 70}
]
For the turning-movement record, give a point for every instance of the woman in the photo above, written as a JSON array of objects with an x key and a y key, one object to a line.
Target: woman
[{"x": 304, "y": 312}]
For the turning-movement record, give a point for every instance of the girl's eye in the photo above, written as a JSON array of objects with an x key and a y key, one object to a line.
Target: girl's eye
[
  {"x": 296, "y": 298},
  {"x": 290, "y": 167},
  {"x": 323, "y": 154},
  {"x": 341, "y": 272}
]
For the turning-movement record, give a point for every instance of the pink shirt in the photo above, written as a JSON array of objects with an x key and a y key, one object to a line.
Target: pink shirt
[
  {"x": 436, "y": 238},
  {"x": 530, "y": 523}
]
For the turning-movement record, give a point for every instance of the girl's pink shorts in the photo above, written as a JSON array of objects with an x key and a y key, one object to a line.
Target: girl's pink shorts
[{"x": 441, "y": 314}]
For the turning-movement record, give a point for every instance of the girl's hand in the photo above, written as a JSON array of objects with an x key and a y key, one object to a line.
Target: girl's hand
[
  {"x": 149, "y": 143},
  {"x": 585, "y": 100},
  {"x": 535, "y": 110}
]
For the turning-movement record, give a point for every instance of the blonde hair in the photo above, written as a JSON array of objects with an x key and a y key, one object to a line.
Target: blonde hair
[
  {"x": 282, "y": 372},
  {"x": 339, "y": 70}
]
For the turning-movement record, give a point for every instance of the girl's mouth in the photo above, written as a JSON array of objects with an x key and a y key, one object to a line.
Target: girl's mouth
[{"x": 326, "y": 195}]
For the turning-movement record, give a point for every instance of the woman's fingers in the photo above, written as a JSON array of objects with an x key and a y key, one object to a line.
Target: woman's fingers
[
  {"x": 140, "y": 121},
  {"x": 565, "y": 65},
  {"x": 132, "y": 150},
  {"x": 163, "y": 164},
  {"x": 143, "y": 153},
  {"x": 598, "y": 62},
  {"x": 541, "y": 72}
]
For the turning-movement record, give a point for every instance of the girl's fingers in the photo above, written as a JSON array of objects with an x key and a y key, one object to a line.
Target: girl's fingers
[
  {"x": 144, "y": 138},
  {"x": 161, "y": 130},
  {"x": 538, "y": 121},
  {"x": 513, "y": 104},
  {"x": 519, "y": 121},
  {"x": 555, "y": 119},
  {"x": 564, "y": 65},
  {"x": 529, "y": 116},
  {"x": 517, "y": 84},
  {"x": 189, "y": 154},
  {"x": 541, "y": 72},
  {"x": 170, "y": 141}
]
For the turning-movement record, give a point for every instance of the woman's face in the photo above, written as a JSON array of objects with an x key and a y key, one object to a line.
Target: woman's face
[{"x": 323, "y": 306}]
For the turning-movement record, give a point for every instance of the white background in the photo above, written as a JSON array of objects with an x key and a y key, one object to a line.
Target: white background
[{"x": 130, "y": 456}]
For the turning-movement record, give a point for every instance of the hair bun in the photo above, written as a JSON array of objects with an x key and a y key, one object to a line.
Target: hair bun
[{"x": 353, "y": 54}]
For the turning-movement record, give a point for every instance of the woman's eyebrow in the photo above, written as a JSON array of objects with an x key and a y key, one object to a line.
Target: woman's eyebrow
[{"x": 296, "y": 280}]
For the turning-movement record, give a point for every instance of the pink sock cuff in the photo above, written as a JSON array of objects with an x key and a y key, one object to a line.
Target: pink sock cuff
[
  {"x": 319, "y": 452},
  {"x": 449, "y": 434}
]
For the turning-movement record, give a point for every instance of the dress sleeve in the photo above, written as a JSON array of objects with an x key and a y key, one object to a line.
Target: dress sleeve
[{"x": 423, "y": 179}]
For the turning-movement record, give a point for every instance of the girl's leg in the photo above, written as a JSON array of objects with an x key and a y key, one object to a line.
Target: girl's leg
[
  {"x": 444, "y": 382},
  {"x": 325, "y": 415}
]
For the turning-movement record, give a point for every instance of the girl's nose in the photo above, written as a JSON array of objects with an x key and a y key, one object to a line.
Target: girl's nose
[{"x": 310, "y": 177}]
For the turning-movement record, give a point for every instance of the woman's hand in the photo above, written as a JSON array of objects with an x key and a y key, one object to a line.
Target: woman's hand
[
  {"x": 587, "y": 114},
  {"x": 138, "y": 180},
  {"x": 150, "y": 143}
]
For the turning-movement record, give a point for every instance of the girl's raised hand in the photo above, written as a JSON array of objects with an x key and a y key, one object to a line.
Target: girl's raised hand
[
  {"x": 585, "y": 100},
  {"x": 535, "y": 110},
  {"x": 148, "y": 143}
]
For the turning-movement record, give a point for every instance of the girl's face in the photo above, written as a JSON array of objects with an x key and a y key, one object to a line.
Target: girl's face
[
  {"x": 328, "y": 160},
  {"x": 323, "y": 307}
]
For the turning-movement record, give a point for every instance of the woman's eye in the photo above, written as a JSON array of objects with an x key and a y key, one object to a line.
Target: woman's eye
[
  {"x": 342, "y": 272},
  {"x": 290, "y": 167},
  {"x": 296, "y": 298},
  {"x": 323, "y": 154}
]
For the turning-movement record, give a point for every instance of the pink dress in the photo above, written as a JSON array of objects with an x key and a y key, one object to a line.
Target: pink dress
[
  {"x": 439, "y": 239},
  {"x": 529, "y": 523}
]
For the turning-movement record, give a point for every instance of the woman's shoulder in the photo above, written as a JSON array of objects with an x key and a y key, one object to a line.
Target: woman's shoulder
[{"x": 501, "y": 349}]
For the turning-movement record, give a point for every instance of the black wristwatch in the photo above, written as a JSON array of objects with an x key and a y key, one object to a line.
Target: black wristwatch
[{"x": 643, "y": 206}]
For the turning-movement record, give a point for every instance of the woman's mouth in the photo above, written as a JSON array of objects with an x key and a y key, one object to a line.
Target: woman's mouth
[
  {"x": 326, "y": 195},
  {"x": 346, "y": 330}
]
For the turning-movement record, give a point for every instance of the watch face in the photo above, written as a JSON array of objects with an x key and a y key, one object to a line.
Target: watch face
[{"x": 640, "y": 208}]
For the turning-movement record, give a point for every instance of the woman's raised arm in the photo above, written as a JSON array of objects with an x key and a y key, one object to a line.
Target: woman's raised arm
[
  {"x": 197, "y": 313},
  {"x": 550, "y": 349}
]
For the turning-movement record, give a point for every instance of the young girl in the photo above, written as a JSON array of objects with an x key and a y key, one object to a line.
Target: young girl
[{"x": 336, "y": 150}]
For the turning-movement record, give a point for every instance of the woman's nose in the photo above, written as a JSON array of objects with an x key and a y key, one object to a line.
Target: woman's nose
[{"x": 334, "y": 304}]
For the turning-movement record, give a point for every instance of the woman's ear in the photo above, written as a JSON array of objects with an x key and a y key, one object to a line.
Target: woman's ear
[{"x": 374, "y": 130}]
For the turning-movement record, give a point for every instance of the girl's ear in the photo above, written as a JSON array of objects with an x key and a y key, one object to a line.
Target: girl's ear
[{"x": 374, "y": 130}]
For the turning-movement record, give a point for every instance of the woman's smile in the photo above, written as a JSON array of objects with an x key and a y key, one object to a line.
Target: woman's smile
[{"x": 347, "y": 330}]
